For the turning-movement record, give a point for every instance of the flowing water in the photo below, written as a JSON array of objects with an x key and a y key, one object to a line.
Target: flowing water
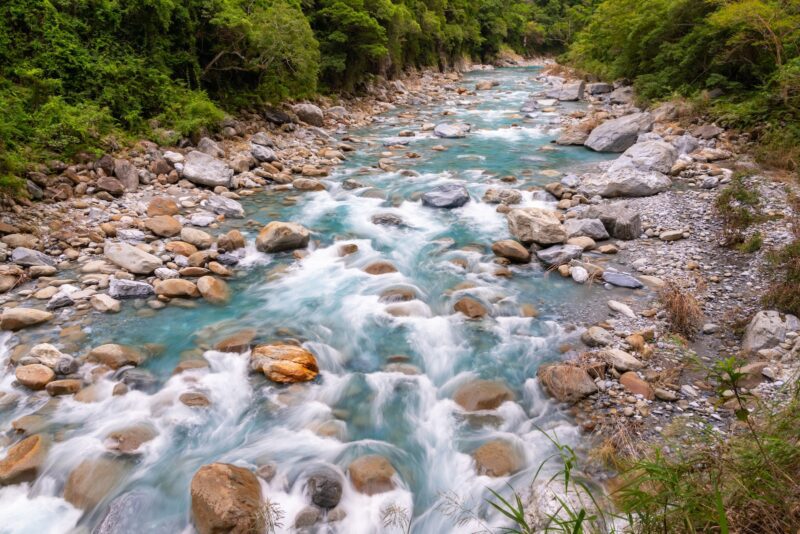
[{"x": 333, "y": 307}]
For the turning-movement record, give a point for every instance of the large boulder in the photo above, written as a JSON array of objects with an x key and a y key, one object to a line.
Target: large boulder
[
  {"x": 35, "y": 376},
  {"x": 568, "y": 92},
  {"x": 372, "y": 474},
  {"x": 115, "y": 356},
  {"x": 446, "y": 196},
  {"x": 310, "y": 114},
  {"x": 767, "y": 330},
  {"x": 451, "y": 130},
  {"x": 593, "y": 228},
  {"x": 566, "y": 383},
  {"x": 497, "y": 458},
  {"x": 163, "y": 225},
  {"x": 470, "y": 307},
  {"x": 502, "y": 196},
  {"x": 559, "y": 254},
  {"x": 647, "y": 156},
  {"x": 18, "y": 318},
  {"x": 176, "y": 288},
  {"x": 131, "y": 258},
  {"x": 23, "y": 460},
  {"x": 228, "y": 499},
  {"x": 31, "y": 258},
  {"x": 92, "y": 480},
  {"x": 203, "y": 169},
  {"x": 511, "y": 250},
  {"x": 213, "y": 290},
  {"x": 129, "y": 289},
  {"x": 482, "y": 395},
  {"x": 285, "y": 364},
  {"x": 324, "y": 486},
  {"x": 617, "y": 135},
  {"x": 536, "y": 225},
  {"x": 280, "y": 236},
  {"x": 624, "y": 182},
  {"x": 619, "y": 220}
]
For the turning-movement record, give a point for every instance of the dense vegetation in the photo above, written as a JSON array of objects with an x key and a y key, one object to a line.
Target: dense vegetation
[{"x": 740, "y": 58}]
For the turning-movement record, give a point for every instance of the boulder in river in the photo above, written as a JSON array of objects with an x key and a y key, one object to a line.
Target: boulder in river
[
  {"x": 536, "y": 225},
  {"x": 213, "y": 289},
  {"x": 593, "y": 228},
  {"x": 446, "y": 196},
  {"x": 280, "y": 236},
  {"x": 223, "y": 206},
  {"x": 285, "y": 364},
  {"x": 23, "y": 460},
  {"x": 497, "y": 458},
  {"x": 482, "y": 395},
  {"x": 129, "y": 289},
  {"x": 646, "y": 156},
  {"x": 324, "y": 486},
  {"x": 495, "y": 195},
  {"x": 131, "y": 258},
  {"x": 372, "y": 474},
  {"x": 617, "y": 135},
  {"x": 470, "y": 307},
  {"x": 559, "y": 254},
  {"x": 566, "y": 383},
  {"x": 767, "y": 330},
  {"x": 115, "y": 356},
  {"x": 511, "y": 250},
  {"x": 226, "y": 498},
  {"x": 567, "y": 92},
  {"x": 18, "y": 318},
  {"x": 451, "y": 130},
  {"x": 35, "y": 376},
  {"x": 176, "y": 288},
  {"x": 92, "y": 480},
  {"x": 203, "y": 169}
]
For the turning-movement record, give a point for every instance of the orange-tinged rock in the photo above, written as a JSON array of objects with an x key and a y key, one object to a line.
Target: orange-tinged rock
[
  {"x": 372, "y": 474},
  {"x": 285, "y": 364},
  {"x": 636, "y": 385},
  {"x": 23, "y": 461}
]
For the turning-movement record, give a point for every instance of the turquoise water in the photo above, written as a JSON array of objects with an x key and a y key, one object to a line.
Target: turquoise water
[{"x": 330, "y": 305}]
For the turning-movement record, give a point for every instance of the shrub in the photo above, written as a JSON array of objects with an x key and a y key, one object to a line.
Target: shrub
[
  {"x": 683, "y": 311},
  {"x": 738, "y": 206}
]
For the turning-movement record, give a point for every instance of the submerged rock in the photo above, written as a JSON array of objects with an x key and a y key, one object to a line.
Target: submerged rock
[
  {"x": 446, "y": 196},
  {"x": 482, "y": 395},
  {"x": 372, "y": 474},
  {"x": 497, "y": 458},
  {"x": 23, "y": 460},
  {"x": 451, "y": 130},
  {"x": 470, "y": 307},
  {"x": 324, "y": 486},
  {"x": 92, "y": 480},
  {"x": 19, "y": 318},
  {"x": 226, "y": 498}
]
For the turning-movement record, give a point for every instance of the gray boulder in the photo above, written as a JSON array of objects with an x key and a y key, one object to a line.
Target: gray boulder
[
  {"x": 129, "y": 289},
  {"x": 310, "y": 114},
  {"x": 621, "y": 280},
  {"x": 324, "y": 486},
  {"x": 599, "y": 88},
  {"x": 617, "y": 135},
  {"x": 127, "y": 174},
  {"x": 536, "y": 225},
  {"x": 202, "y": 169},
  {"x": 210, "y": 147},
  {"x": 767, "y": 330},
  {"x": 446, "y": 196},
  {"x": 559, "y": 254},
  {"x": 593, "y": 228},
  {"x": 620, "y": 221},
  {"x": 625, "y": 182},
  {"x": 451, "y": 130},
  {"x": 29, "y": 258},
  {"x": 224, "y": 206},
  {"x": 502, "y": 196},
  {"x": 261, "y": 138},
  {"x": 262, "y": 153},
  {"x": 568, "y": 92},
  {"x": 647, "y": 156},
  {"x": 131, "y": 258}
]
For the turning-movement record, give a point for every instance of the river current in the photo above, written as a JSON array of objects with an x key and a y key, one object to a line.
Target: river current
[{"x": 360, "y": 404}]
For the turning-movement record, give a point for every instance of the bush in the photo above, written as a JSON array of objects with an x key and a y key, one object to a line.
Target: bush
[{"x": 738, "y": 205}]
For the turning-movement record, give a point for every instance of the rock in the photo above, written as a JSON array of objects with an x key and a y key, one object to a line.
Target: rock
[
  {"x": 621, "y": 308},
  {"x": 502, "y": 196},
  {"x": 387, "y": 219},
  {"x": 18, "y": 318},
  {"x": 593, "y": 228},
  {"x": 176, "y": 288},
  {"x": 194, "y": 400},
  {"x": 131, "y": 258},
  {"x": 308, "y": 184},
  {"x": 129, "y": 289},
  {"x": 617, "y": 135},
  {"x": 210, "y": 147},
  {"x": 163, "y": 225},
  {"x": 214, "y": 290},
  {"x": 228, "y": 499},
  {"x": 115, "y": 356},
  {"x": 599, "y": 88},
  {"x": 378, "y": 268},
  {"x": 572, "y": 136},
  {"x": 233, "y": 240},
  {"x": 35, "y": 376},
  {"x": 104, "y": 303},
  {"x": 707, "y": 131},
  {"x": 470, "y": 307},
  {"x": 92, "y": 481},
  {"x": 482, "y": 395},
  {"x": 621, "y": 280},
  {"x": 262, "y": 153},
  {"x": 281, "y": 236},
  {"x": 285, "y": 364},
  {"x": 596, "y": 336},
  {"x": 579, "y": 274},
  {"x": 23, "y": 460},
  {"x": 125, "y": 514},
  {"x": 625, "y": 182},
  {"x": 30, "y": 258},
  {"x": 67, "y": 386},
  {"x": 497, "y": 458},
  {"x": 162, "y": 206},
  {"x": 620, "y": 221},
  {"x": 511, "y": 250},
  {"x": 647, "y": 156},
  {"x": 310, "y": 114},
  {"x": 372, "y": 474},
  {"x": 127, "y": 174},
  {"x": 451, "y": 130},
  {"x": 665, "y": 394},
  {"x": 536, "y": 225},
  {"x": 671, "y": 235},
  {"x": 181, "y": 247},
  {"x": 110, "y": 185},
  {"x": 636, "y": 385},
  {"x": 559, "y": 254},
  {"x": 46, "y": 354},
  {"x": 223, "y": 206},
  {"x": 307, "y": 517},
  {"x": 29, "y": 241},
  {"x": 324, "y": 486},
  {"x": 568, "y": 92},
  {"x": 566, "y": 383},
  {"x": 200, "y": 239},
  {"x": 202, "y": 169},
  {"x": 621, "y": 360},
  {"x": 768, "y": 329},
  {"x": 446, "y": 196}
]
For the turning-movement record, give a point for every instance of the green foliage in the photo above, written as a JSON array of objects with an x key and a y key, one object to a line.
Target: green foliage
[{"x": 738, "y": 205}]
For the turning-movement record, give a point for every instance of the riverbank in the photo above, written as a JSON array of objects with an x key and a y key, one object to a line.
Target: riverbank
[{"x": 166, "y": 233}]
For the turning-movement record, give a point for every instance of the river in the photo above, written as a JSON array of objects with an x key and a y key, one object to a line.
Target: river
[{"x": 367, "y": 399}]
